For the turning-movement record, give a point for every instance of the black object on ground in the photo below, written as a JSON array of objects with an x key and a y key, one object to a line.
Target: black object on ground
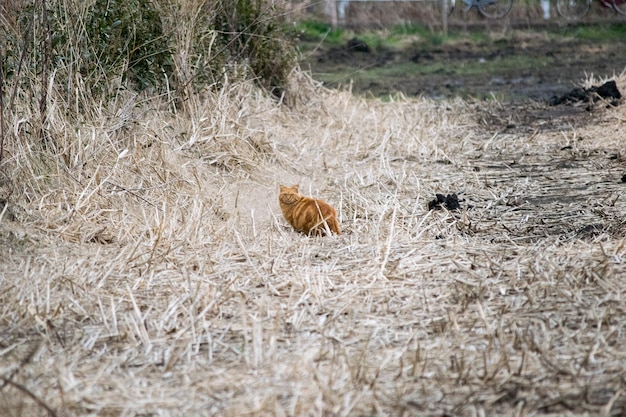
[
  {"x": 450, "y": 202},
  {"x": 607, "y": 91},
  {"x": 357, "y": 45}
]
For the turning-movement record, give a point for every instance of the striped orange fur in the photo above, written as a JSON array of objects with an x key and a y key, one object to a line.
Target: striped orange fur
[{"x": 307, "y": 215}]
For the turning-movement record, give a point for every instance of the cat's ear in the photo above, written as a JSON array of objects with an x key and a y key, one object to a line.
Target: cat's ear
[{"x": 295, "y": 186}]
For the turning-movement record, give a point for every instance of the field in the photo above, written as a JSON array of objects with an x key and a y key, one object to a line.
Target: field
[
  {"x": 146, "y": 269},
  {"x": 510, "y": 65}
]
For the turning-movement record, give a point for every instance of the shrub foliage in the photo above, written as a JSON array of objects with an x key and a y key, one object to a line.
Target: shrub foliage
[
  {"x": 134, "y": 43},
  {"x": 252, "y": 31},
  {"x": 73, "y": 58}
]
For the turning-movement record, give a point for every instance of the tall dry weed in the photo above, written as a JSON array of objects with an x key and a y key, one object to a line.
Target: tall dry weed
[{"x": 91, "y": 64}]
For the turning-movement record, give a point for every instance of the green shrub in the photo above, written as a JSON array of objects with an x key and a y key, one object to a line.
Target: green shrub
[
  {"x": 134, "y": 43},
  {"x": 253, "y": 31},
  {"x": 125, "y": 38}
]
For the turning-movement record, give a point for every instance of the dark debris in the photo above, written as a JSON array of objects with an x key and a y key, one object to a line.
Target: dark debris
[
  {"x": 607, "y": 91},
  {"x": 357, "y": 45},
  {"x": 449, "y": 202}
]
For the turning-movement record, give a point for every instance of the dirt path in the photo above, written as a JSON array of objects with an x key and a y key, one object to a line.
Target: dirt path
[{"x": 559, "y": 178}]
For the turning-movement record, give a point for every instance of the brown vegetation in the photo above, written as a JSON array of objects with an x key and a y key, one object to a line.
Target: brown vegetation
[
  {"x": 150, "y": 272},
  {"x": 145, "y": 268}
]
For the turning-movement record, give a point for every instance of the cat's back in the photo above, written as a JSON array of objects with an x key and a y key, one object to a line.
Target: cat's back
[{"x": 311, "y": 216}]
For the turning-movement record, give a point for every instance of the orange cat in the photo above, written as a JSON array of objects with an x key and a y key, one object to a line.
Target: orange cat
[{"x": 307, "y": 215}]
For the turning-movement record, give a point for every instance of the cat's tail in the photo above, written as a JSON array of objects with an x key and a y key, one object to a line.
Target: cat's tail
[{"x": 333, "y": 225}]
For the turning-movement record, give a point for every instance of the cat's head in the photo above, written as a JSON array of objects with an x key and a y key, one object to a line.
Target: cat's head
[{"x": 289, "y": 195}]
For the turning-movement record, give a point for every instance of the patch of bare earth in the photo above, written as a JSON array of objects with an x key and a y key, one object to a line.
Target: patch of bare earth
[
  {"x": 517, "y": 67},
  {"x": 146, "y": 269}
]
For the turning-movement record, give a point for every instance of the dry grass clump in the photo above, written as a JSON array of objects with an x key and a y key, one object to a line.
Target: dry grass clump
[{"x": 146, "y": 269}]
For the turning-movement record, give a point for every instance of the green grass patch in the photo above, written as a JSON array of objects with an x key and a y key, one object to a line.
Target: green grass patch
[
  {"x": 614, "y": 32},
  {"x": 400, "y": 35},
  {"x": 311, "y": 33},
  {"x": 310, "y": 30}
]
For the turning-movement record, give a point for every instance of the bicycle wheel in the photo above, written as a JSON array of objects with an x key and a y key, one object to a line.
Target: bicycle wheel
[
  {"x": 572, "y": 9},
  {"x": 495, "y": 9},
  {"x": 620, "y": 6}
]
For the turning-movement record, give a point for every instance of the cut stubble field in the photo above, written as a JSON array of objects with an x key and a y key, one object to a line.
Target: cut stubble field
[{"x": 146, "y": 269}]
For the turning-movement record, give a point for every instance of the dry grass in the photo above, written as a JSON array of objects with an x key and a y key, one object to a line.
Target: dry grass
[{"x": 146, "y": 269}]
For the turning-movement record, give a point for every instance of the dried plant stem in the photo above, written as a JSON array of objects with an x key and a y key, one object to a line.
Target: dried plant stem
[{"x": 28, "y": 392}]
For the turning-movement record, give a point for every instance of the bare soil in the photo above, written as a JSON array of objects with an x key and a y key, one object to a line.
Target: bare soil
[{"x": 548, "y": 66}]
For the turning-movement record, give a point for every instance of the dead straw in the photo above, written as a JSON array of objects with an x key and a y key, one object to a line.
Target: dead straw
[{"x": 150, "y": 256}]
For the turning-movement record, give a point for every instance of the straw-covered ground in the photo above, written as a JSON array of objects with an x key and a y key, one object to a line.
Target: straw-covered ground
[{"x": 146, "y": 269}]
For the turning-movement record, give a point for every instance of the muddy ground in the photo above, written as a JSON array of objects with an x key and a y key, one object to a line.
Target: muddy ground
[{"x": 528, "y": 65}]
